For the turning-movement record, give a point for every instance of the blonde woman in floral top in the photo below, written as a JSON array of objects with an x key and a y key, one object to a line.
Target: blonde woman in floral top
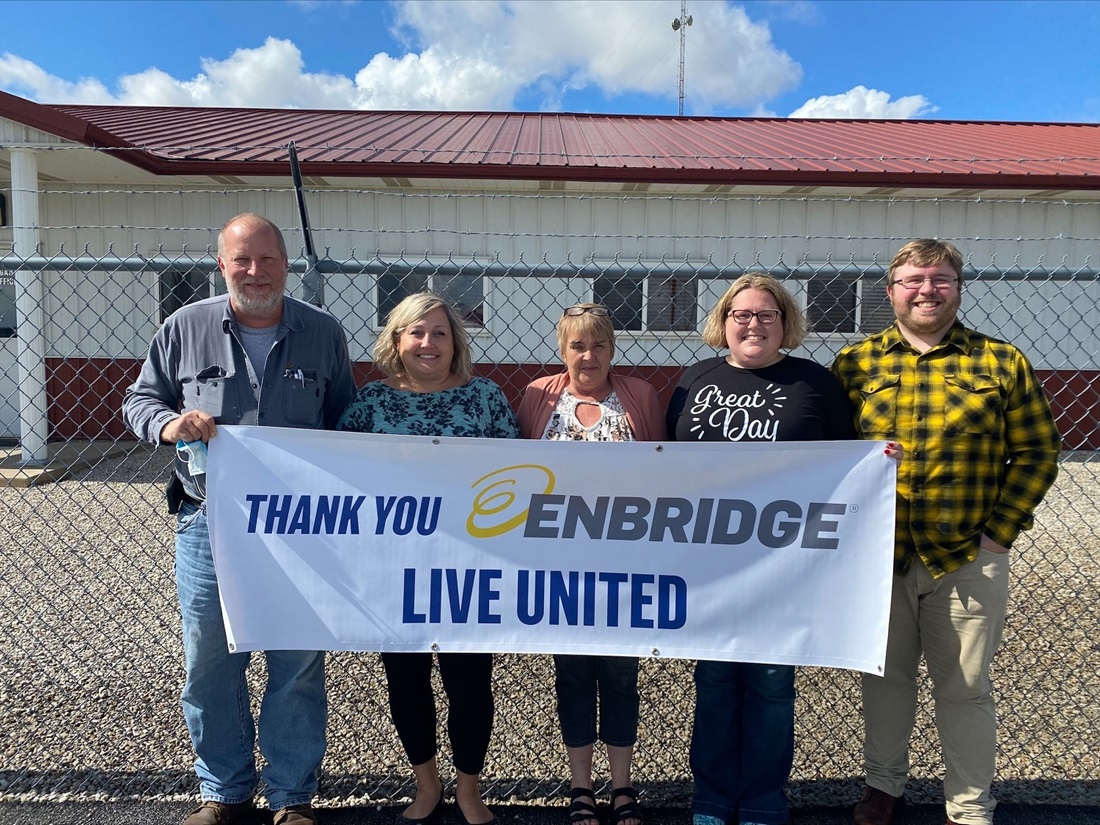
[{"x": 430, "y": 390}]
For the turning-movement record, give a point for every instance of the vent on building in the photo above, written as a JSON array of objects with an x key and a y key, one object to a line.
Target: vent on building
[{"x": 876, "y": 314}]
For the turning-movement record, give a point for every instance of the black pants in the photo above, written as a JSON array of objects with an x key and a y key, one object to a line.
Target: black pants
[
  {"x": 468, "y": 683},
  {"x": 579, "y": 681}
]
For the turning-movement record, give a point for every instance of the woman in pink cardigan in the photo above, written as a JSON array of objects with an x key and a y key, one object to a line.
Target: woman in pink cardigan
[{"x": 589, "y": 403}]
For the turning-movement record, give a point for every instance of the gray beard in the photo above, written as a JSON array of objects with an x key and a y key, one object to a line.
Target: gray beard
[{"x": 252, "y": 306}]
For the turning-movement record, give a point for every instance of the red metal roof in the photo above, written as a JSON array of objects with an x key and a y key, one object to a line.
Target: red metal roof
[{"x": 583, "y": 147}]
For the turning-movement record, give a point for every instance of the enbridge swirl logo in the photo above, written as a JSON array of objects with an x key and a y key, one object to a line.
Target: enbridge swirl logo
[{"x": 500, "y": 493}]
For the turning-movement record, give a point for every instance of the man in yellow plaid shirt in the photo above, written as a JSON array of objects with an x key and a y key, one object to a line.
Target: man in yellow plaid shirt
[{"x": 979, "y": 452}]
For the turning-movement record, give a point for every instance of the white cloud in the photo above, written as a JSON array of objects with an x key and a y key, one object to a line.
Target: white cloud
[
  {"x": 763, "y": 111},
  {"x": 862, "y": 102},
  {"x": 24, "y": 77},
  {"x": 272, "y": 75},
  {"x": 734, "y": 62},
  {"x": 433, "y": 79},
  {"x": 620, "y": 46},
  {"x": 473, "y": 54}
]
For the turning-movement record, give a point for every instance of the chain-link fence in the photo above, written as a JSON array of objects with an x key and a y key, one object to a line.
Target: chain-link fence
[{"x": 90, "y": 657}]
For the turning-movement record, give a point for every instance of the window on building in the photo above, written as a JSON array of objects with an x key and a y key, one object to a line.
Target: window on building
[
  {"x": 845, "y": 303},
  {"x": 7, "y": 303},
  {"x": 662, "y": 302},
  {"x": 463, "y": 290},
  {"x": 181, "y": 287},
  {"x": 832, "y": 301}
]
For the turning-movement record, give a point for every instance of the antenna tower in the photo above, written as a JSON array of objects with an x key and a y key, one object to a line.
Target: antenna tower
[{"x": 680, "y": 24}]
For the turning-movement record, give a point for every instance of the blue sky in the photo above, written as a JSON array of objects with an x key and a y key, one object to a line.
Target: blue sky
[{"x": 1009, "y": 60}]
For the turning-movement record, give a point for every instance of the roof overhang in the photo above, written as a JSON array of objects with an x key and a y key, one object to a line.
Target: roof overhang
[{"x": 639, "y": 170}]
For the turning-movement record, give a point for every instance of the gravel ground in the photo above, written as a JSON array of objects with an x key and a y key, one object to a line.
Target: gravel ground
[
  {"x": 171, "y": 813},
  {"x": 90, "y": 671}
]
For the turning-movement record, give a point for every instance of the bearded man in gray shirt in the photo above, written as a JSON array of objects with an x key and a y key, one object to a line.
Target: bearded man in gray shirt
[{"x": 254, "y": 356}]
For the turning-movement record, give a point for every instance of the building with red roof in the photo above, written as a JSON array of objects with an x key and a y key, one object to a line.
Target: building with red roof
[{"x": 514, "y": 215}]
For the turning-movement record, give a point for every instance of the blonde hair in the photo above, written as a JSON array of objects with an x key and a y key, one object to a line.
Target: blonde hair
[
  {"x": 404, "y": 315},
  {"x": 794, "y": 322},
  {"x": 571, "y": 327},
  {"x": 926, "y": 252}
]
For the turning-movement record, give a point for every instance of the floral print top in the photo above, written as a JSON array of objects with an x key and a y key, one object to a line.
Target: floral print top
[
  {"x": 477, "y": 409},
  {"x": 565, "y": 426}
]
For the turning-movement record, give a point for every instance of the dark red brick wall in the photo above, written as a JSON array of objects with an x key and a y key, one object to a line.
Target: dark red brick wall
[{"x": 85, "y": 394}]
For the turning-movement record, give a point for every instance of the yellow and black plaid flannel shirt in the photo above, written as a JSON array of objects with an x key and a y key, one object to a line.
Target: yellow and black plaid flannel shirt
[{"x": 981, "y": 446}]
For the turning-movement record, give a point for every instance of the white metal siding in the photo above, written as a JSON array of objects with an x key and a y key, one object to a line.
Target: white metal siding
[{"x": 89, "y": 317}]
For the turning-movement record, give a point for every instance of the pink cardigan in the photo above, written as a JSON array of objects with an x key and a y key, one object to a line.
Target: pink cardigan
[{"x": 639, "y": 399}]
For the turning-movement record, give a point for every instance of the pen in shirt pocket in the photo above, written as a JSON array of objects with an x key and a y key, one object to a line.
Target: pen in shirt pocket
[{"x": 303, "y": 377}]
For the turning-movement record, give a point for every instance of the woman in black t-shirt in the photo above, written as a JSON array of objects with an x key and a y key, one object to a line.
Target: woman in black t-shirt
[{"x": 742, "y": 744}]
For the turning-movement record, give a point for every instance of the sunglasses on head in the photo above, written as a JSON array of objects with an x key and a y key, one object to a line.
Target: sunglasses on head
[{"x": 598, "y": 311}]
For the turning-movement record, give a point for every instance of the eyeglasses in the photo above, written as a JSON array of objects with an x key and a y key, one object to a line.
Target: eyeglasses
[
  {"x": 764, "y": 316},
  {"x": 916, "y": 281},
  {"x": 598, "y": 311}
]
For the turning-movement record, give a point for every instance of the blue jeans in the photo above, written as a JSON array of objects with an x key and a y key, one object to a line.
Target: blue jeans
[
  {"x": 293, "y": 711},
  {"x": 578, "y": 680},
  {"x": 742, "y": 745}
]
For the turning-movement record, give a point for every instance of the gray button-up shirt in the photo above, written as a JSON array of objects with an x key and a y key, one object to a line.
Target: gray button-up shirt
[{"x": 196, "y": 362}]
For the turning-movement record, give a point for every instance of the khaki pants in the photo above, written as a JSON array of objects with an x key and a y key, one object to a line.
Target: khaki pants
[{"x": 956, "y": 622}]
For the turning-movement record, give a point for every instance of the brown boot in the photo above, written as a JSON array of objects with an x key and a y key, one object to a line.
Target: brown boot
[
  {"x": 876, "y": 808},
  {"x": 296, "y": 815},
  {"x": 211, "y": 812}
]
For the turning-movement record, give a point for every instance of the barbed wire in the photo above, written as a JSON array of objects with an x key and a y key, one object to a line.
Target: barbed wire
[
  {"x": 1058, "y": 200},
  {"x": 492, "y": 265},
  {"x": 630, "y": 236}
]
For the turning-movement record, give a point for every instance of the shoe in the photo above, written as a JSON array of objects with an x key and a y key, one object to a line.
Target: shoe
[
  {"x": 212, "y": 812},
  {"x": 579, "y": 810},
  {"x": 462, "y": 818},
  {"x": 430, "y": 819},
  {"x": 876, "y": 807},
  {"x": 705, "y": 819},
  {"x": 628, "y": 810},
  {"x": 296, "y": 815}
]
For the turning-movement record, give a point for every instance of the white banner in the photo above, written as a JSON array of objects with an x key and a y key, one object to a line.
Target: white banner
[{"x": 776, "y": 553}]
